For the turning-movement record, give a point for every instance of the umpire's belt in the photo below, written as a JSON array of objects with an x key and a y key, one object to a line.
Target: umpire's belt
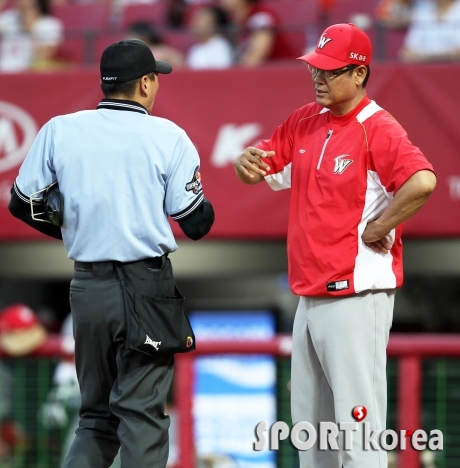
[{"x": 109, "y": 268}]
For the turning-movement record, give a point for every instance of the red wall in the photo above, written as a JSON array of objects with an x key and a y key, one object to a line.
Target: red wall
[{"x": 224, "y": 111}]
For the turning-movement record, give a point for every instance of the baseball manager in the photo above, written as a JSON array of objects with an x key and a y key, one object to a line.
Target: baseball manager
[
  {"x": 355, "y": 178},
  {"x": 111, "y": 177}
]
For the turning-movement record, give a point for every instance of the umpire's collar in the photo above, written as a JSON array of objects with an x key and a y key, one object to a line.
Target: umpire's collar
[{"x": 122, "y": 105}]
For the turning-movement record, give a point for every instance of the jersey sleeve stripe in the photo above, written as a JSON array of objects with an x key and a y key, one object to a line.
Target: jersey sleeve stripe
[
  {"x": 281, "y": 180},
  {"x": 25, "y": 198},
  {"x": 190, "y": 209},
  {"x": 20, "y": 194},
  {"x": 368, "y": 111}
]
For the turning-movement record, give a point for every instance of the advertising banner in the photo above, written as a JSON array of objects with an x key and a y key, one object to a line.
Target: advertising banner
[
  {"x": 233, "y": 394},
  {"x": 225, "y": 111}
]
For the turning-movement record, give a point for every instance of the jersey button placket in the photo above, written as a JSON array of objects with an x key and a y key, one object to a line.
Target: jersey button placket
[{"x": 328, "y": 137}]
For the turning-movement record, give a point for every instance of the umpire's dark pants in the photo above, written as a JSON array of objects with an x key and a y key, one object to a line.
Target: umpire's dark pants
[{"x": 123, "y": 392}]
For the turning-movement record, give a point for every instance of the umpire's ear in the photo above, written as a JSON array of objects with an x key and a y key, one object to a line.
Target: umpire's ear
[{"x": 147, "y": 90}]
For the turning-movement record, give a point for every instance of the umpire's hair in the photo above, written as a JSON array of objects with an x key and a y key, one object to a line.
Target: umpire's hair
[{"x": 127, "y": 89}]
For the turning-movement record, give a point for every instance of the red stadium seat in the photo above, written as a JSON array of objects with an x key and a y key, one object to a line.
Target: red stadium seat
[
  {"x": 342, "y": 10},
  {"x": 88, "y": 16},
  {"x": 196, "y": 5},
  {"x": 104, "y": 40},
  {"x": 153, "y": 13},
  {"x": 294, "y": 13},
  {"x": 72, "y": 49},
  {"x": 6, "y": 5},
  {"x": 393, "y": 40},
  {"x": 80, "y": 49},
  {"x": 179, "y": 40},
  {"x": 296, "y": 41}
]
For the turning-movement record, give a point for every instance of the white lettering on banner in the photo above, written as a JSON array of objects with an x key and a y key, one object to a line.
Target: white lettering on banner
[
  {"x": 17, "y": 132},
  {"x": 231, "y": 141},
  {"x": 8, "y": 137},
  {"x": 454, "y": 187},
  {"x": 5, "y": 195}
]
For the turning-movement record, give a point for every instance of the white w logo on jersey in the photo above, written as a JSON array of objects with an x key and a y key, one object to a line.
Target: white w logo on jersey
[
  {"x": 323, "y": 41},
  {"x": 149, "y": 341},
  {"x": 341, "y": 164}
]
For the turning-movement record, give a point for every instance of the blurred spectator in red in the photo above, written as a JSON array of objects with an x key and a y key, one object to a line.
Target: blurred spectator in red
[
  {"x": 3, "y": 4},
  {"x": 325, "y": 8},
  {"x": 20, "y": 334},
  {"x": 175, "y": 13},
  {"x": 434, "y": 32},
  {"x": 29, "y": 36},
  {"x": 394, "y": 13},
  {"x": 146, "y": 32},
  {"x": 257, "y": 40},
  {"x": 20, "y": 330},
  {"x": 213, "y": 50}
]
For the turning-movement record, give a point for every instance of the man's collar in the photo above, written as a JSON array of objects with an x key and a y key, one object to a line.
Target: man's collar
[{"x": 123, "y": 105}]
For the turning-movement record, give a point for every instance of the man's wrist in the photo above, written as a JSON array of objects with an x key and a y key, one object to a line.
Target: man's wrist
[{"x": 380, "y": 229}]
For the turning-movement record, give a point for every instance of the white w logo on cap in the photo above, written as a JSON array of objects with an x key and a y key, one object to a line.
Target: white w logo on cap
[{"x": 323, "y": 41}]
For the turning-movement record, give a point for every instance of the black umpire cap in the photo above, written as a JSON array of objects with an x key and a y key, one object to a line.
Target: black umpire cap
[{"x": 129, "y": 60}]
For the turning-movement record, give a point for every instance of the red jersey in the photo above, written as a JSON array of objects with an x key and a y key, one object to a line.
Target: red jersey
[{"x": 343, "y": 172}]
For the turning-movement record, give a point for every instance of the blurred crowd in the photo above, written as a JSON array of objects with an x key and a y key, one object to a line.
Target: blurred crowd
[
  {"x": 433, "y": 28},
  {"x": 214, "y": 34},
  {"x": 22, "y": 332}
]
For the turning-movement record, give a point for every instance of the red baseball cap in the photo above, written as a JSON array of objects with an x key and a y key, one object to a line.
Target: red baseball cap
[
  {"x": 17, "y": 317},
  {"x": 20, "y": 330},
  {"x": 340, "y": 45}
]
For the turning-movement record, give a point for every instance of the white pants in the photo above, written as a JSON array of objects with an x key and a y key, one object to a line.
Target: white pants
[{"x": 339, "y": 362}]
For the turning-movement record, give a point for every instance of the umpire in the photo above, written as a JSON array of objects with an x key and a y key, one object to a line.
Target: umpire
[{"x": 120, "y": 172}]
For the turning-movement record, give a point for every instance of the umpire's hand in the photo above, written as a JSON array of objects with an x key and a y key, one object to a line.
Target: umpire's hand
[{"x": 249, "y": 166}]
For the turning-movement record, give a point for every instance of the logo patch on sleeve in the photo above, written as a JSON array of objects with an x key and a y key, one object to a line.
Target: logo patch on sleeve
[
  {"x": 195, "y": 184},
  {"x": 337, "y": 285}
]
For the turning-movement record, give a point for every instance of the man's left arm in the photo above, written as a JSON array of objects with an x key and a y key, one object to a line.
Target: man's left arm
[
  {"x": 35, "y": 176},
  {"x": 20, "y": 208},
  {"x": 412, "y": 195},
  {"x": 185, "y": 202}
]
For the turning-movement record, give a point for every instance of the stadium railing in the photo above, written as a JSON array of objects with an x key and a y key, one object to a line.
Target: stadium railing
[
  {"x": 423, "y": 362},
  {"x": 410, "y": 350}
]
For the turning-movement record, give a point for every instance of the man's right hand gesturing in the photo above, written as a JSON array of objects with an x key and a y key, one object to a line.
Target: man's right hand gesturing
[{"x": 249, "y": 166}]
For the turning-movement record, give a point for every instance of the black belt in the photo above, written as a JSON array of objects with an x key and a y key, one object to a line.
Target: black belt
[{"x": 155, "y": 263}]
